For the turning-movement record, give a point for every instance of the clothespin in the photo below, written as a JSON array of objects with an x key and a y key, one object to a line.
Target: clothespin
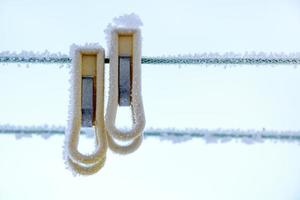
[
  {"x": 86, "y": 109},
  {"x": 125, "y": 82}
]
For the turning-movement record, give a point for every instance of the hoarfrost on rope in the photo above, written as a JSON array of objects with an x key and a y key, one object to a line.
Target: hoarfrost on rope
[{"x": 172, "y": 134}]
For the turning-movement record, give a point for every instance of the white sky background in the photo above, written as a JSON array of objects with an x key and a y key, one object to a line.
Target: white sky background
[{"x": 186, "y": 97}]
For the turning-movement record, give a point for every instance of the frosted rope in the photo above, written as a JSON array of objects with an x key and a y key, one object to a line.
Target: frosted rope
[
  {"x": 74, "y": 123},
  {"x": 205, "y": 58},
  {"x": 166, "y": 134},
  {"x": 137, "y": 108}
]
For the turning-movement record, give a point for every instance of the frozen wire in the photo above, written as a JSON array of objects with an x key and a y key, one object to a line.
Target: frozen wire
[
  {"x": 174, "y": 135},
  {"x": 205, "y": 58}
]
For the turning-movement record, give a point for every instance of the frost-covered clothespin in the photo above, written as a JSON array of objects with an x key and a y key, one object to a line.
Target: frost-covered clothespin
[
  {"x": 125, "y": 82},
  {"x": 86, "y": 108},
  {"x": 87, "y": 98}
]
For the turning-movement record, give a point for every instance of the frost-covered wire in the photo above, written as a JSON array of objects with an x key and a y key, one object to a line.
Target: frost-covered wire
[
  {"x": 205, "y": 58},
  {"x": 34, "y": 57},
  {"x": 174, "y": 135}
]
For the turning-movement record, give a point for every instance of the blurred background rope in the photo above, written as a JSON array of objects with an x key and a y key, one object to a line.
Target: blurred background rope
[{"x": 175, "y": 135}]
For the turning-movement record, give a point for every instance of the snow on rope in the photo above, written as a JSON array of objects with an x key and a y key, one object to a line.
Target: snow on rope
[
  {"x": 169, "y": 134},
  {"x": 230, "y": 58}
]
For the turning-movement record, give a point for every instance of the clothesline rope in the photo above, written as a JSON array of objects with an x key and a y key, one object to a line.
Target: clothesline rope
[
  {"x": 205, "y": 58},
  {"x": 175, "y": 135}
]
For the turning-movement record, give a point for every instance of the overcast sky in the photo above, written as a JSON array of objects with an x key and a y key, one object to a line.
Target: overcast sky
[{"x": 174, "y": 96}]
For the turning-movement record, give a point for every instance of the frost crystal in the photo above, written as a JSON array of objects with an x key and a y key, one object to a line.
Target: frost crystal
[{"x": 128, "y": 20}]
